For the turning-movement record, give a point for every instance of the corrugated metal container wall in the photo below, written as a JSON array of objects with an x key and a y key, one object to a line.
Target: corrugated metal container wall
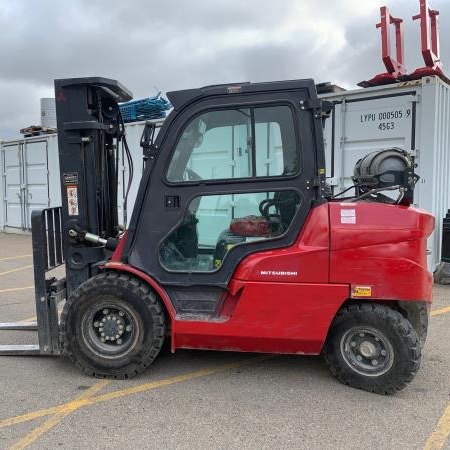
[
  {"x": 413, "y": 116},
  {"x": 30, "y": 177},
  {"x": 30, "y": 180},
  {"x": 436, "y": 127}
]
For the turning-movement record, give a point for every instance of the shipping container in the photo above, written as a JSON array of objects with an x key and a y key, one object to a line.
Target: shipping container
[
  {"x": 413, "y": 116},
  {"x": 30, "y": 180},
  {"x": 30, "y": 177}
]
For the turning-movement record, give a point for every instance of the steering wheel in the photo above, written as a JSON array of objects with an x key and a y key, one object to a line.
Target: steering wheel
[{"x": 264, "y": 207}]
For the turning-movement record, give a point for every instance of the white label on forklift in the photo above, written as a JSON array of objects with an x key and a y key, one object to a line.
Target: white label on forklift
[
  {"x": 72, "y": 200},
  {"x": 348, "y": 216}
]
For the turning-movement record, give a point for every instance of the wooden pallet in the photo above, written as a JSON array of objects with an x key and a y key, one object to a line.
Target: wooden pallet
[{"x": 37, "y": 130}]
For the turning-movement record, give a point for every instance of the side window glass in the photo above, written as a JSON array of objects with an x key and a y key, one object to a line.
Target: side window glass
[
  {"x": 220, "y": 145},
  {"x": 275, "y": 143},
  {"x": 214, "y": 224},
  {"x": 215, "y": 145}
]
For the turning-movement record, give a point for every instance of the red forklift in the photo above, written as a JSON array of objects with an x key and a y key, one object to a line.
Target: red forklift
[{"x": 247, "y": 253}]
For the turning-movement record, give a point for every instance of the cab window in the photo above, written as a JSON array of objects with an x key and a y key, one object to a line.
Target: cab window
[
  {"x": 214, "y": 224},
  {"x": 236, "y": 143}
]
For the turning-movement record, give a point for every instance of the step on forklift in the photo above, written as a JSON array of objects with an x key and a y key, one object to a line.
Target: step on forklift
[{"x": 235, "y": 242}]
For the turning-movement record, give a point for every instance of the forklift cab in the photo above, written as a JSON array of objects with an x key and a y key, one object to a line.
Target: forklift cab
[
  {"x": 231, "y": 175},
  {"x": 218, "y": 145}
]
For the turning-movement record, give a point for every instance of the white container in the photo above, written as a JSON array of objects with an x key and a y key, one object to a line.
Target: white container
[
  {"x": 30, "y": 180},
  {"x": 413, "y": 116},
  {"x": 48, "y": 112},
  {"x": 133, "y": 135}
]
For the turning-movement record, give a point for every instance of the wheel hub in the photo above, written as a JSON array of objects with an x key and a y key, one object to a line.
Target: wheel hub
[
  {"x": 367, "y": 351},
  {"x": 111, "y": 329}
]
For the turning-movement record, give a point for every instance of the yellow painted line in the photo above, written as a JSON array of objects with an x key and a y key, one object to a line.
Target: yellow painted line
[
  {"x": 16, "y": 257},
  {"x": 16, "y": 289},
  {"x": 437, "y": 312},
  {"x": 167, "y": 382},
  {"x": 63, "y": 412},
  {"x": 15, "y": 270},
  {"x": 30, "y": 416},
  {"x": 440, "y": 434},
  {"x": 128, "y": 391}
]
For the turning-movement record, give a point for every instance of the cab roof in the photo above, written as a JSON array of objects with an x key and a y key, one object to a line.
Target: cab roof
[{"x": 183, "y": 97}]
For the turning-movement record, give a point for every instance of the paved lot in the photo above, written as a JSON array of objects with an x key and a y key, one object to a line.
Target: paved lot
[{"x": 208, "y": 399}]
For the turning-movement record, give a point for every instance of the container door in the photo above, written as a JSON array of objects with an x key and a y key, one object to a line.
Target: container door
[
  {"x": 13, "y": 185},
  {"x": 360, "y": 126},
  {"x": 36, "y": 192}
]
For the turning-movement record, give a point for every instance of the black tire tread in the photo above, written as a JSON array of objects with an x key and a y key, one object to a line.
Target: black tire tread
[
  {"x": 135, "y": 286},
  {"x": 394, "y": 319}
]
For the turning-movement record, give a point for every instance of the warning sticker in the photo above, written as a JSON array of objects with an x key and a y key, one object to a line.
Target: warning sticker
[
  {"x": 362, "y": 291},
  {"x": 348, "y": 216},
  {"x": 72, "y": 200},
  {"x": 70, "y": 178},
  {"x": 348, "y": 212}
]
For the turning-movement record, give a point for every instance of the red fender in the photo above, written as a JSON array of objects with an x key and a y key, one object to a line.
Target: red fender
[{"x": 153, "y": 284}]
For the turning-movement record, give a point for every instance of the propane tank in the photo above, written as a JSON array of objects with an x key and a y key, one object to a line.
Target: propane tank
[{"x": 368, "y": 168}]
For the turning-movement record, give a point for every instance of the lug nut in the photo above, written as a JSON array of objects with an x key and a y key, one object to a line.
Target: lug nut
[
  {"x": 383, "y": 353},
  {"x": 121, "y": 313},
  {"x": 102, "y": 339},
  {"x": 359, "y": 357},
  {"x": 113, "y": 317},
  {"x": 103, "y": 334},
  {"x": 374, "y": 362},
  {"x": 96, "y": 324},
  {"x": 105, "y": 311},
  {"x": 128, "y": 328},
  {"x": 119, "y": 341}
]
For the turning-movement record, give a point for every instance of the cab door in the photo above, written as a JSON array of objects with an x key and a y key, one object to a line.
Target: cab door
[{"x": 233, "y": 175}]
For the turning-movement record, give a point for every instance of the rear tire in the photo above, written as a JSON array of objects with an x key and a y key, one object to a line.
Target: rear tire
[
  {"x": 372, "y": 347},
  {"x": 112, "y": 326}
]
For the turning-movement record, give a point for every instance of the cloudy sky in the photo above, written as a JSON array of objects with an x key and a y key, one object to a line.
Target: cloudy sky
[{"x": 164, "y": 45}]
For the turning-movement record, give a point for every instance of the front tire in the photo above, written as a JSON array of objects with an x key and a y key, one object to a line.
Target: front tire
[
  {"x": 112, "y": 326},
  {"x": 372, "y": 347}
]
